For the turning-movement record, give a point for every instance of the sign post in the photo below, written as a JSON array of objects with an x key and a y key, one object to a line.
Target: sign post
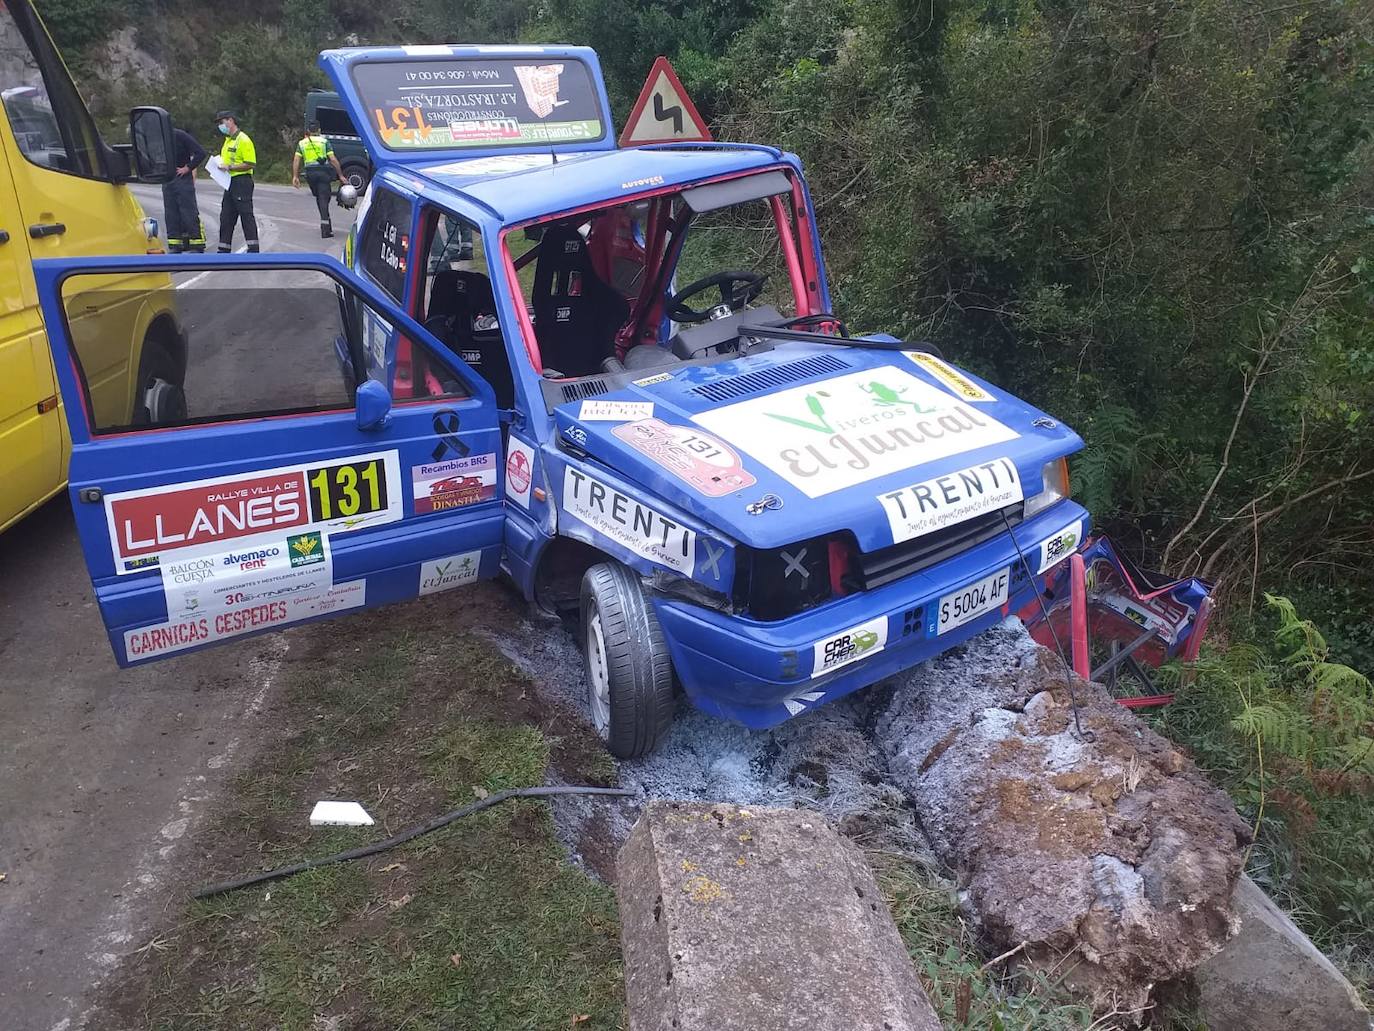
[{"x": 664, "y": 113}]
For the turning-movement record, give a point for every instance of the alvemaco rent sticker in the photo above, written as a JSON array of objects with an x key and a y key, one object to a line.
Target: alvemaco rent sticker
[
  {"x": 629, "y": 522},
  {"x": 212, "y": 581},
  {"x": 859, "y": 643},
  {"x": 823, "y": 437},
  {"x": 945, "y": 500}
]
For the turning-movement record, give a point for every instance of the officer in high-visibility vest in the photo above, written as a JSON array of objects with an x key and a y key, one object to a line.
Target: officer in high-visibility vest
[
  {"x": 238, "y": 157},
  {"x": 185, "y": 230},
  {"x": 317, "y": 154}
]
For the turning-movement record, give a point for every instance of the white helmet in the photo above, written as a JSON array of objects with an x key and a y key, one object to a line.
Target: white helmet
[{"x": 348, "y": 195}]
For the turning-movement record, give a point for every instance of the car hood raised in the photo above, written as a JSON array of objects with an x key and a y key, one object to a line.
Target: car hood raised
[{"x": 812, "y": 439}]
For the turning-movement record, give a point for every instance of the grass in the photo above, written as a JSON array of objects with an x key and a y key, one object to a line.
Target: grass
[{"x": 481, "y": 925}]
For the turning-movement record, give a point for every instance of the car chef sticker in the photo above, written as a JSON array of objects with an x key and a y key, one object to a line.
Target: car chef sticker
[
  {"x": 1060, "y": 546},
  {"x": 519, "y": 470},
  {"x": 442, "y": 574},
  {"x": 213, "y": 595},
  {"x": 945, "y": 500},
  {"x": 823, "y": 437},
  {"x": 705, "y": 463},
  {"x": 963, "y": 387},
  {"x": 453, "y": 484},
  {"x": 615, "y": 411},
  {"x": 147, "y": 527},
  {"x": 859, "y": 643},
  {"x": 629, "y": 522}
]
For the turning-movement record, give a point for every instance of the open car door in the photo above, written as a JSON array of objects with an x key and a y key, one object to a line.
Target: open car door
[{"x": 254, "y": 475}]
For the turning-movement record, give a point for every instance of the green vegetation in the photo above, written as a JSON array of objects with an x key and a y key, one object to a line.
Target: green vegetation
[
  {"x": 1291, "y": 735},
  {"x": 482, "y": 925}
]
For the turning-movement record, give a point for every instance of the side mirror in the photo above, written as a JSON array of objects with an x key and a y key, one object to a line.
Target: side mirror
[
  {"x": 373, "y": 405},
  {"x": 150, "y": 129}
]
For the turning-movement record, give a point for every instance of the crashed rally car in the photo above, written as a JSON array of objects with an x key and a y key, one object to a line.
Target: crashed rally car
[{"x": 613, "y": 376}]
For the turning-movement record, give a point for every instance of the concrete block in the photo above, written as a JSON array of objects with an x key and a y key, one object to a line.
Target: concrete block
[
  {"x": 758, "y": 919},
  {"x": 1270, "y": 977}
]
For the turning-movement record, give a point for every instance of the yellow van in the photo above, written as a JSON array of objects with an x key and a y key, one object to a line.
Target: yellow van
[{"x": 62, "y": 194}]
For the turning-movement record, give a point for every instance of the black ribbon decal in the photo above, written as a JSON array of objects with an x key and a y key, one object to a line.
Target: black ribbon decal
[{"x": 446, "y": 429}]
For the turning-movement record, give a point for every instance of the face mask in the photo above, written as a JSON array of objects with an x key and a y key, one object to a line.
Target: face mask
[{"x": 224, "y": 128}]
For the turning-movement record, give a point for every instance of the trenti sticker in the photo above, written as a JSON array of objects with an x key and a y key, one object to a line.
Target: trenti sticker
[
  {"x": 629, "y": 522},
  {"x": 456, "y": 483},
  {"x": 826, "y": 436},
  {"x": 615, "y": 411},
  {"x": 699, "y": 459},
  {"x": 945, "y": 500},
  {"x": 147, "y": 527},
  {"x": 964, "y": 388}
]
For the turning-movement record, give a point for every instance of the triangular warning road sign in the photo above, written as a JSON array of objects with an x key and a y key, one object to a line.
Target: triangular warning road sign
[{"x": 664, "y": 113}]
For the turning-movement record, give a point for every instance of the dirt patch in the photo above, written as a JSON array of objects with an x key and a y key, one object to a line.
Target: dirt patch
[{"x": 409, "y": 712}]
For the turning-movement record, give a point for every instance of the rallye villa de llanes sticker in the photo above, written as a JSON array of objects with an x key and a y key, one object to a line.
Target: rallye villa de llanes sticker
[
  {"x": 629, "y": 522},
  {"x": 708, "y": 465},
  {"x": 336, "y": 496},
  {"x": 826, "y": 436}
]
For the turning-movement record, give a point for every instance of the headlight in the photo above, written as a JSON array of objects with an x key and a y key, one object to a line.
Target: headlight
[
  {"x": 1056, "y": 476},
  {"x": 781, "y": 582}
]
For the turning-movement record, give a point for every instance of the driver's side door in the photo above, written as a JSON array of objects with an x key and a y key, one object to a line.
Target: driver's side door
[{"x": 270, "y": 491}]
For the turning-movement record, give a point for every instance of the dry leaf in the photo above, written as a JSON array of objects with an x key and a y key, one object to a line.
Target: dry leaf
[
  {"x": 456, "y": 959},
  {"x": 480, "y": 791},
  {"x": 580, "y": 1018},
  {"x": 404, "y": 900},
  {"x": 392, "y": 866}
]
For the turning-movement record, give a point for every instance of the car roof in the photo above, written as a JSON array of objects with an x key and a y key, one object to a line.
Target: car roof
[{"x": 520, "y": 187}]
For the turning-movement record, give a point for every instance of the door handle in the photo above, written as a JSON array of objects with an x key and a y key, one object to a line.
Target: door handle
[
  {"x": 4, "y": 236},
  {"x": 42, "y": 229}
]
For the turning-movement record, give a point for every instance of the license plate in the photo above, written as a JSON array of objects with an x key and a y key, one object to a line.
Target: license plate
[{"x": 958, "y": 607}]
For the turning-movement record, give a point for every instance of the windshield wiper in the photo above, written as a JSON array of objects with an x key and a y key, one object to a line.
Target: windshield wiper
[{"x": 778, "y": 333}]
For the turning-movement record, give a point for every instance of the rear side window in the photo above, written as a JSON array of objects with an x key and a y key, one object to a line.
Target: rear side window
[
  {"x": 385, "y": 244},
  {"x": 334, "y": 121},
  {"x": 50, "y": 123}
]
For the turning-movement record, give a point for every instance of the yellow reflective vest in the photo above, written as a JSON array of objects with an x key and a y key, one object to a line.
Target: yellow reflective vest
[
  {"x": 314, "y": 150},
  {"x": 236, "y": 150}
]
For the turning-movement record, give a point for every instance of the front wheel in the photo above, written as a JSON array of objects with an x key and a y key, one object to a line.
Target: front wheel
[
  {"x": 629, "y": 672},
  {"x": 161, "y": 399}
]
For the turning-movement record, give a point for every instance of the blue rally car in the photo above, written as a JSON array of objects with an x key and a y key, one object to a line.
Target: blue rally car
[{"x": 611, "y": 375}]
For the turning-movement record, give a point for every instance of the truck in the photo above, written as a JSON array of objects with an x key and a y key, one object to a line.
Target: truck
[
  {"x": 625, "y": 389},
  {"x": 63, "y": 194}
]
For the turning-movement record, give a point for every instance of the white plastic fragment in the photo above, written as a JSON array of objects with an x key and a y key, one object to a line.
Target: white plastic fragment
[{"x": 339, "y": 814}]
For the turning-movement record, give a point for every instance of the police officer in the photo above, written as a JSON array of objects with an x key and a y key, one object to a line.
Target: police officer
[
  {"x": 317, "y": 154},
  {"x": 238, "y": 157},
  {"x": 181, "y": 212}
]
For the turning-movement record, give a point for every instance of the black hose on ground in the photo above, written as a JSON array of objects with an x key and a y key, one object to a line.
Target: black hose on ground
[{"x": 404, "y": 836}]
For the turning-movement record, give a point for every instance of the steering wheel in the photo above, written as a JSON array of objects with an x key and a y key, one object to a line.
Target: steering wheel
[{"x": 737, "y": 289}]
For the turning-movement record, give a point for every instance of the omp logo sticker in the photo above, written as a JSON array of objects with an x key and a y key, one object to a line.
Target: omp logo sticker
[
  {"x": 859, "y": 643},
  {"x": 629, "y": 522},
  {"x": 853, "y": 428},
  {"x": 945, "y": 500}
]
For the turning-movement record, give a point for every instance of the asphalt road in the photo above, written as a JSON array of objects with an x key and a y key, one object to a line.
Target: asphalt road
[{"x": 103, "y": 772}]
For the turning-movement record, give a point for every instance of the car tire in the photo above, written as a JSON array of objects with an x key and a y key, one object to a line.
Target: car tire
[
  {"x": 161, "y": 399},
  {"x": 629, "y": 671}
]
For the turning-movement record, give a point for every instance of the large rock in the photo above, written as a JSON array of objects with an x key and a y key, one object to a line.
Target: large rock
[
  {"x": 1113, "y": 860},
  {"x": 758, "y": 920},
  {"x": 1270, "y": 977}
]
